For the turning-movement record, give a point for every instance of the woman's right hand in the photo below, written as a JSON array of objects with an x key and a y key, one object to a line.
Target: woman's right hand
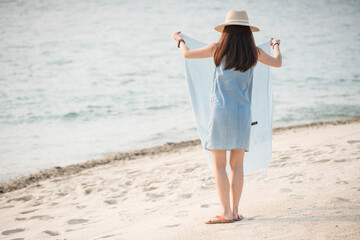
[{"x": 274, "y": 40}]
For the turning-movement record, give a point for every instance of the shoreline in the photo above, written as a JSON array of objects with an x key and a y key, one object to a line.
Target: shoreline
[{"x": 57, "y": 171}]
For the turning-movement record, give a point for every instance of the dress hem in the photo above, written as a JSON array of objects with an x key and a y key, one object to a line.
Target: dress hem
[{"x": 227, "y": 149}]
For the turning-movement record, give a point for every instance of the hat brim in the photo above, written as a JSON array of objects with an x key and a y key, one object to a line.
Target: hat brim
[{"x": 220, "y": 28}]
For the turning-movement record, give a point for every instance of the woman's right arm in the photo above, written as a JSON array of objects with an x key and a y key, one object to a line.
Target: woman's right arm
[
  {"x": 274, "y": 61},
  {"x": 204, "y": 52}
]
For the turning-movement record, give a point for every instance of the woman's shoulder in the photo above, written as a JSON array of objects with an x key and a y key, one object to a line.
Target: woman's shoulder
[{"x": 213, "y": 47}]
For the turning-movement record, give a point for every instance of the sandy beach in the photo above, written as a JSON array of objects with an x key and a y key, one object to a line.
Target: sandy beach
[{"x": 312, "y": 191}]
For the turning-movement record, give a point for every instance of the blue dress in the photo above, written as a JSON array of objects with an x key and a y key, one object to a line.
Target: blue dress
[{"x": 230, "y": 109}]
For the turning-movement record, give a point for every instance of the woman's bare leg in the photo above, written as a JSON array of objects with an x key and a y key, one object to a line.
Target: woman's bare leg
[
  {"x": 237, "y": 178},
  {"x": 222, "y": 182}
]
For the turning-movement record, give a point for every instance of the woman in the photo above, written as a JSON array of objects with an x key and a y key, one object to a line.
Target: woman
[{"x": 235, "y": 56}]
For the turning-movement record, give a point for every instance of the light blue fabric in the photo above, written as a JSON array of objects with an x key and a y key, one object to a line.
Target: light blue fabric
[
  {"x": 230, "y": 109},
  {"x": 200, "y": 78}
]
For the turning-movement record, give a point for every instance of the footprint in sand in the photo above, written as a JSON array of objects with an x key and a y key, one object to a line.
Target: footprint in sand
[
  {"x": 90, "y": 190},
  {"x": 81, "y": 206},
  {"x": 322, "y": 161},
  {"x": 173, "y": 225},
  {"x": 12, "y": 231},
  {"x": 353, "y": 141},
  {"x": 340, "y": 160},
  {"x": 318, "y": 153},
  {"x": 107, "y": 236},
  {"x": 36, "y": 204},
  {"x": 53, "y": 203},
  {"x": 206, "y": 186},
  {"x": 29, "y": 211},
  {"x": 330, "y": 145},
  {"x": 204, "y": 206},
  {"x": 51, "y": 233},
  {"x": 182, "y": 213},
  {"x": 173, "y": 185},
  {"x": 342, "y": 182},
  {"x": 23, "y": 198},
  {"x": 114, "y": 189},
  {"x": 307, "y": 154},
  {"x": 119, "y": 196},
  {"x": 189, "y": 170},
  {"x": 111, "y": 201},
  {"x": 77, "y": 221},
  {"x": 284, "y": 158},
  {"x": 154, "y": 196},
  {"x": 342, "y": 199},
  {"x": 285, "y": 190},
  {"x": 147, "y": 189},
  {"x": 296, "y": 196},
  {"x": 292, "y": 176},
  {"x": 56, "y": 180},
  {"x": 41, "y": 217},
  {"x": 8, "y": 206},
  {"x": 185, "y": 195},
  {"x": 133, "y": 172},
  {"x": 62, "y": 194}
]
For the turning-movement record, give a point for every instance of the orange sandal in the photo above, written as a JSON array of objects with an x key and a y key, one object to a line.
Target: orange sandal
[{"x": 220, "y": 220}]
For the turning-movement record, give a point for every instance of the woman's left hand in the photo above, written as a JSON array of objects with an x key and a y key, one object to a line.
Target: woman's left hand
[{"x": 177, "y": 36}]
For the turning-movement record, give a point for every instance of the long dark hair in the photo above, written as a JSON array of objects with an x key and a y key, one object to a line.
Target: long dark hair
[{"x": 238, "y": 45}]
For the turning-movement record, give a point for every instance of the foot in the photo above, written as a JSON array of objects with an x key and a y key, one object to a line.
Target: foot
[
  {"x": 238, "y": 217},
  {"x": 220, "y": 219}
]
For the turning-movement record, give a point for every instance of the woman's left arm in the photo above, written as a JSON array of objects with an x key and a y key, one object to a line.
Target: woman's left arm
[{"x": 204, "y": 52}]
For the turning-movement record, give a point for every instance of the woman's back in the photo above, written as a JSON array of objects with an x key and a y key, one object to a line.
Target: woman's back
[{"x": 232, "y": 88}]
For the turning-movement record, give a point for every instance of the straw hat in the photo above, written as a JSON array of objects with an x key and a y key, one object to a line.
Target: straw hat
[{"x": 236, "y": 18}]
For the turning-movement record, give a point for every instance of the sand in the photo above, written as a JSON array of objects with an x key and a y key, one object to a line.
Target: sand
[{"x": 312, "y": 192}]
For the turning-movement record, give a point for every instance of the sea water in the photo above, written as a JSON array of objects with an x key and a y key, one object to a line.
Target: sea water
[{"x": 80, "y": 79}]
